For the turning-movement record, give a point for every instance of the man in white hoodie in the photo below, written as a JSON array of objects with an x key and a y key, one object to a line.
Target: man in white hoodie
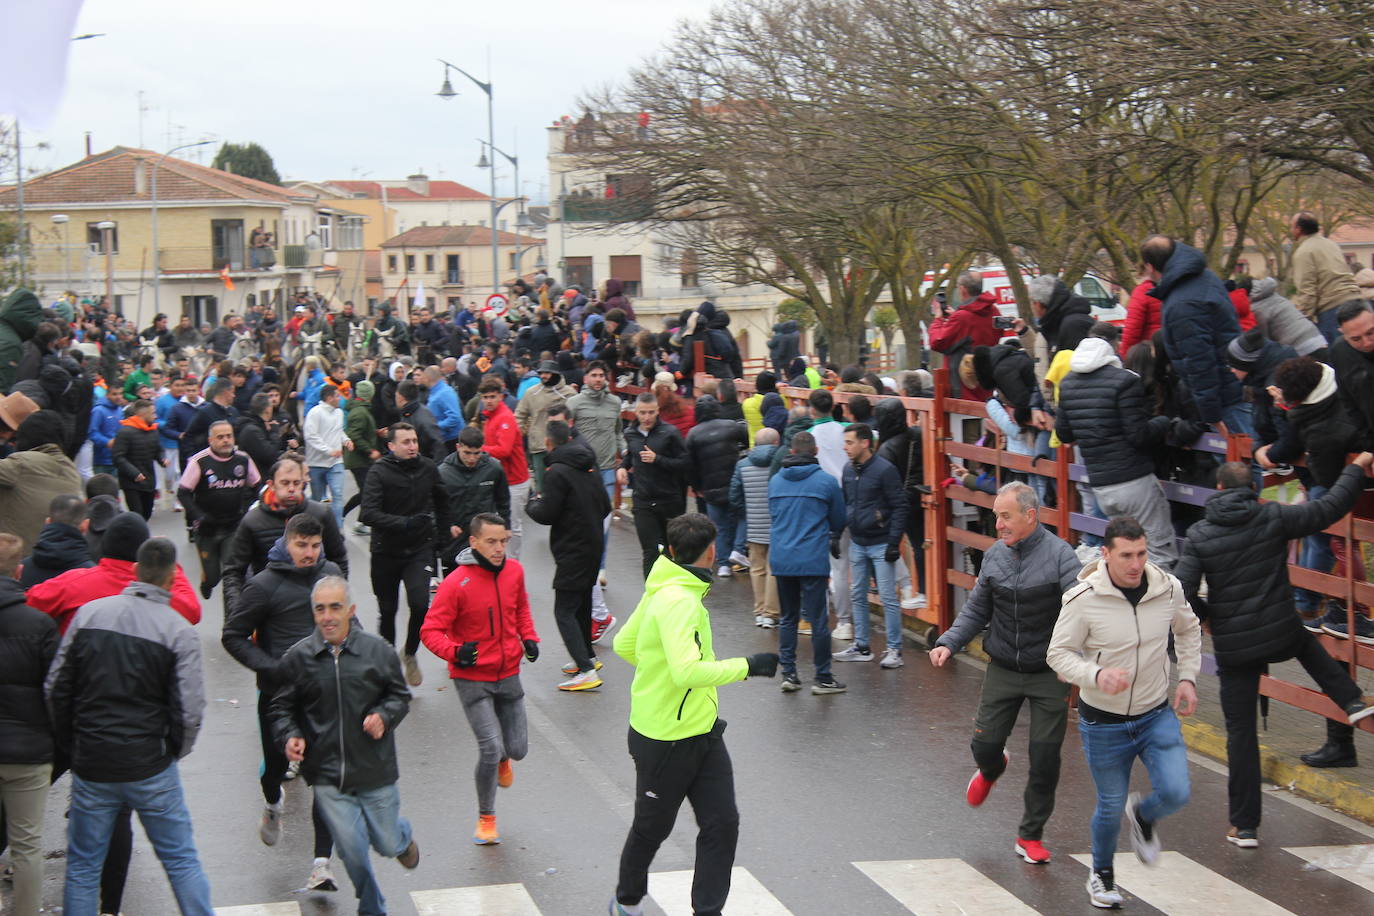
[
  {"x": 1112, "y": 641},
  {"x": 324, "y": 445},
  {"x": 1102, "y": 410}
]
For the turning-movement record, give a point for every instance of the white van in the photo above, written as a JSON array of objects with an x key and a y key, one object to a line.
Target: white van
[{"x": 1105, "y": 306}]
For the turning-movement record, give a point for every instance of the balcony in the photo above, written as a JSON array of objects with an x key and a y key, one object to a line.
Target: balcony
[
  {"x": 208, "y": 259},
  {"x": 606, "y": 210}
]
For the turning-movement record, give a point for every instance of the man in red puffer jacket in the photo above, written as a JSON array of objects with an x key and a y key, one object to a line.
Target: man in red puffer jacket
[
  {"x": 480, "y": 624},
  {"x": 505, "y": 443}
]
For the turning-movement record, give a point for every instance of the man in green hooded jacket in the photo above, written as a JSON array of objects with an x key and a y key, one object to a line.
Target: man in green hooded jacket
[{"x": 676, "y": 738}]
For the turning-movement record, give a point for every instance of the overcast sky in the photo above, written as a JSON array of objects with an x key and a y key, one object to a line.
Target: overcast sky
[{"x": 344, "y": 88}]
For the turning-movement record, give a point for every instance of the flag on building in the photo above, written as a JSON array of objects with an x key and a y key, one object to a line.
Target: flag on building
[{"x": 228, "y": 281}]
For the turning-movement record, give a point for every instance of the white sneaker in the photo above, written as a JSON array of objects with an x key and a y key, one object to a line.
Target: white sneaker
[
  {"x": 1145, "y": 841},
  {"x": 892, "y": 658},
  {"x": 853, "y": 654},
  {"x": 1102, "y": 892},
  {"x": 739, "y": 559},
  {"x": 321, "y": 878},
  {"x": 842, "y": 631},
  {"x": 768, "y": 623},
  {"x": 758, "y": 620},
  {"x": 723, "y": 571},
  {"x": 269, "y": 828},
  {"x": 911, "y": 600},
  {"x": 412, "y": 668},
  {"x": 601, "y": 578}
]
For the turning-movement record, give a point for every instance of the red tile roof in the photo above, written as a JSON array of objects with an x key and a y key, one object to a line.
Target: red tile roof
[
  {"x": 435, "y": 236},
  {"x": 108, "y": 177},
  {"x": 1354, "y": 233},
  {"x": 438, "y": 190}
]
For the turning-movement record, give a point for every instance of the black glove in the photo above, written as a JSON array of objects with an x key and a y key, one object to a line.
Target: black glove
[
  {"x": 531, "y": 650},
  {"x": 419, "y": 524},
  {"x": 466, "y": 656},
  {"x": 893, "y": 553},
  {"x": 763, "y": 664},
  {"x": 835, "y": 548},
  {"x": 1185, "y": 432}
]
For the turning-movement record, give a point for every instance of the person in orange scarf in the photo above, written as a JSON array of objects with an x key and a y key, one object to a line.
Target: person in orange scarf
[{"x": 136, "y": 452}]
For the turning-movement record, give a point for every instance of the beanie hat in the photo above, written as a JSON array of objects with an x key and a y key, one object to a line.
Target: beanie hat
[
  {"x": 665, "y": 378},
  {"x": 365, "y": 391},
  {"x": 1244, "y": 351},
  {"x": 126, "y": 534}
]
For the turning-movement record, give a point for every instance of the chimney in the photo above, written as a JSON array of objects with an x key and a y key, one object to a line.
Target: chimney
[
  {"x": 140, "y": 177},
  {"x": 88, "y": 144},
  {"x": 419, "y": 183}
]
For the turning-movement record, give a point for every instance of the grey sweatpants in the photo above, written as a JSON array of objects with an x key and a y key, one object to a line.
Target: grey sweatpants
[
  {"x": 496, "y": 712},
  {"x": 1143, "y": 499}
]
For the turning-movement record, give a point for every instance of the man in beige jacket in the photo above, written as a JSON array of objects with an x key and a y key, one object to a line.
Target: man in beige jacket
[
  {"x": 532, "y": 414},
  {"x": 1112, "y": 640},
  {"x": 1323, "y": 279}
]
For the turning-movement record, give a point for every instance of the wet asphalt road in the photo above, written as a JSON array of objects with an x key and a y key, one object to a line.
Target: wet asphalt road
[{"x": 877, "y": 774}]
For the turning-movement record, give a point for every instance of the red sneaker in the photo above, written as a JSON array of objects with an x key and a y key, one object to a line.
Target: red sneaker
[
  {"x": 979, "y": 785},
  {"x": 601, "y": 627},
  {"x": 1033, "y": 851}
]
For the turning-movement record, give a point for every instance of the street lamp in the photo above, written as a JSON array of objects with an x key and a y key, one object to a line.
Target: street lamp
[
  {"x": 446, "y": 91},
  {"x": 63, "y": 220},
  {"x": 106, "y": 228},
  {"x": 157, "y": 252},
  {"x": 521, "y": 221}
]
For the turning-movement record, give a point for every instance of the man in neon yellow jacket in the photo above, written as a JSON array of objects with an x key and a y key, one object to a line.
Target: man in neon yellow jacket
[{"x": 676, "y": 738}]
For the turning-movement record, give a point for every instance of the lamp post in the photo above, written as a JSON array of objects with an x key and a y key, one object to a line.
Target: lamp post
[
  {"x": 106, "y": 228},
  {"x": 446, "y": 91},
  {"x": 157, "y": 252},
  {"x": 521, "y": 220},
  {"x": 63, "y": 220}
]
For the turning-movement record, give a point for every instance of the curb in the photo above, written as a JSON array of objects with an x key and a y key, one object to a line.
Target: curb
[{"x": 1322, "y": 786}]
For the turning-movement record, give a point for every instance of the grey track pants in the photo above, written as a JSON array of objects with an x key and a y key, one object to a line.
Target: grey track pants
[
  {"x": 1143, "y": 499},
  {"x": 496, "y": 712}
]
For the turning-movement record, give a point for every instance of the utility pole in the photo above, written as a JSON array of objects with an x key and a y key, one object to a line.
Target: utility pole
[{"x": 19, "y": 201}]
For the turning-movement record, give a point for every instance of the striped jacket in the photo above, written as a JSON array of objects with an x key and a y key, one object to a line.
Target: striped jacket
[{"x": 749, "y": 491}]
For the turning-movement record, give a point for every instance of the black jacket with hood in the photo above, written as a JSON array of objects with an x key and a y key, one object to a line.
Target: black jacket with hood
[
  {"x": 714, "y": 447},
  {"x": 59, "y": 547},
  {"x": 273, "y": 613},
  {"x": 1321, "y": 428},
  {"x": 470, "y": 490},
  {"x": 259, "y": 532},
  {"x": 1102, "y": 408},
  {"x": 1241, "y": 546},
  {"x": 664, "y": 480},
  {"x": 28, "y": 642},
  {"x": 1067, "y": 320},
  {"x": 426, "y": 430},
  {"x": 574, "y": 504},
  {"x": 785, "y": 344},
  {"x": 900, "y": 445},
  {"x": 1009, "y": 369},
  {"x": 404, "y": 505}
]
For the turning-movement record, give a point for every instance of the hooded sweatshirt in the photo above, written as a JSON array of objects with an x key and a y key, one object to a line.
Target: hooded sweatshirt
[
  {"x": 1102, "y": 409},
  {"x": 1281, "y": 321},
  {"x": 596, "y": 415},
  {"x": 807, "y": 508},
  {"x": 486, "y": 604},
  {"x": 59, "y": 548},
  {"x": 668, "y": 641}
]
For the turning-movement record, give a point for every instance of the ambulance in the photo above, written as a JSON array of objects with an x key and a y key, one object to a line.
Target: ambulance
[{"x": 1105, "y": 305}]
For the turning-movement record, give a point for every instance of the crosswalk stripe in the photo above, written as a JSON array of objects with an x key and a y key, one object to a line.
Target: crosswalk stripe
[
  {"x": 943, "y": 887},
  {"x": 1181, "y": 887},
  {"x": 488, "y": 900},
  {"x": 261, "y": 909},
  {"x": 672, "y": 890},
  {"x": 1353, "y": 863}
]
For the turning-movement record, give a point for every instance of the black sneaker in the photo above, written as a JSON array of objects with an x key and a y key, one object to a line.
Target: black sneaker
[
  {"x": 206, "y": 590},
  {"x": 1357, "y": 710},
  {"x": 829, "y": 685},
  {"x": 790, "y": 683}
]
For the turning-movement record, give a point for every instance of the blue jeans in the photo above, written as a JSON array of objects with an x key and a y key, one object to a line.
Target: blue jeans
[
  {"x": 333, "y": 478},
  {"x": 1327, "y": 324},
  {"x": 1111, "y": 750},
  {"x": 607, "y": 478},
  {"x": 803, "y": 596},
  {"x": 1239, "y": 418},
  {"x": 1315, "y": 553},
  {"x": 863, "y": 561},
  {"x": 357, "y": 821},
  {"x": 724, "y": 518},
  {"x": 162, "y": 810}
]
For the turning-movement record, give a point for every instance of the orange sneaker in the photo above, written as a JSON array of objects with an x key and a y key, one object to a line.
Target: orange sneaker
[
  {"x": 505, "y": 775},
  {"x": 486, "y": 834}
]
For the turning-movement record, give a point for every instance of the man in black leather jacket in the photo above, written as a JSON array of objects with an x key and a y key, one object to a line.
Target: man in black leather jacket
[{"x": 337, "y": 713}]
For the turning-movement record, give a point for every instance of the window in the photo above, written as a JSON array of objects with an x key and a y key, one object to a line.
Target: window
[
  {"x": 325, "y": 230},
  {"x": 429, "y": 303},
  {"x": 96, "y": 239},
  {"x": 349, "y": 236},
  {"x": 626, "y": 268},
  {"x": 429, "y": 263},
  {"x": 579, "y": 271},
  {"x": 410, "y": 263},
  {"x": 453, "y": 269},
  {"x": 691, "y": 276},
  {"x": 1242, "y": 267},
  {"x": 501, "y": 225},
  {"x": 455, "y": 303},
  {"x": 391, "y": 263},
  {"x": 513, "y": 256}
]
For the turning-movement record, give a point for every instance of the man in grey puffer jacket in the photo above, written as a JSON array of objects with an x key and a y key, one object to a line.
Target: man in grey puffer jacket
[
  {"x": 1017, "y": 597},
  {"x": 1281, "y": 321},
  {"x": 749, "y": 501}
]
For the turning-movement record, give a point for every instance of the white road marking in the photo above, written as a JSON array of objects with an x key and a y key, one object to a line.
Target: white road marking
[
  {"x": 672, "y": 890},
  {"x": 943, "y": 887},
  {"x": 260, "y": 909},
  {"x": 1181, "y": 887},
  {"x": 1353, "y": 863},
  {"x": 489, "y": 900}
]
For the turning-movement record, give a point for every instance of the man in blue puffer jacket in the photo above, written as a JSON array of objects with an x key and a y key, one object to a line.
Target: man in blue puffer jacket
[
  {"x": 105, "y": 419},
  {"x": 1199, "y": 322}
]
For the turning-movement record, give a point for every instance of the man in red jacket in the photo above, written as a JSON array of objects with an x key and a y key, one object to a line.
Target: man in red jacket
[
  {"x": 480, "y": 624},
  {"x": 505, "y": 443},
  {"x": 61, "y": 596},
  {"x": 956, "y": 331}
]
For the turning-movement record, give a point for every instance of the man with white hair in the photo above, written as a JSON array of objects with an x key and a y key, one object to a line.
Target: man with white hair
[
  {"x": 1063, "y": 319},
  {"x": 1017, "y": 599}
]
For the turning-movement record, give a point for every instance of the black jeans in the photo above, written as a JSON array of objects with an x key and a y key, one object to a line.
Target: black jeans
[
  {"x": 212, "y": 543},
  {"x": 651, "y": 524},
  {"x": 572, "y": 608},
  {"x": 140, "y": 501},
  {"x": 1239, "y": 695},
  {"x": 274, "y": 765},
  {"x": 666, "y": 772},
  {"x": 359, "y": 478},
  {"x": 388, "y": 572}
]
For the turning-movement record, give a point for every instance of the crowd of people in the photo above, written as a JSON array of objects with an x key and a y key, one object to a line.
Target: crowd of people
[{"x": 457, "y": 430}]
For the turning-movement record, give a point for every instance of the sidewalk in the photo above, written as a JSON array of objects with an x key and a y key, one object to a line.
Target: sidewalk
[{"x": 1290, "y": 732}]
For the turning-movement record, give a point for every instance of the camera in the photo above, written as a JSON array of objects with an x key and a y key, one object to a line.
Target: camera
[{"x": 1003, "y": 323}]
